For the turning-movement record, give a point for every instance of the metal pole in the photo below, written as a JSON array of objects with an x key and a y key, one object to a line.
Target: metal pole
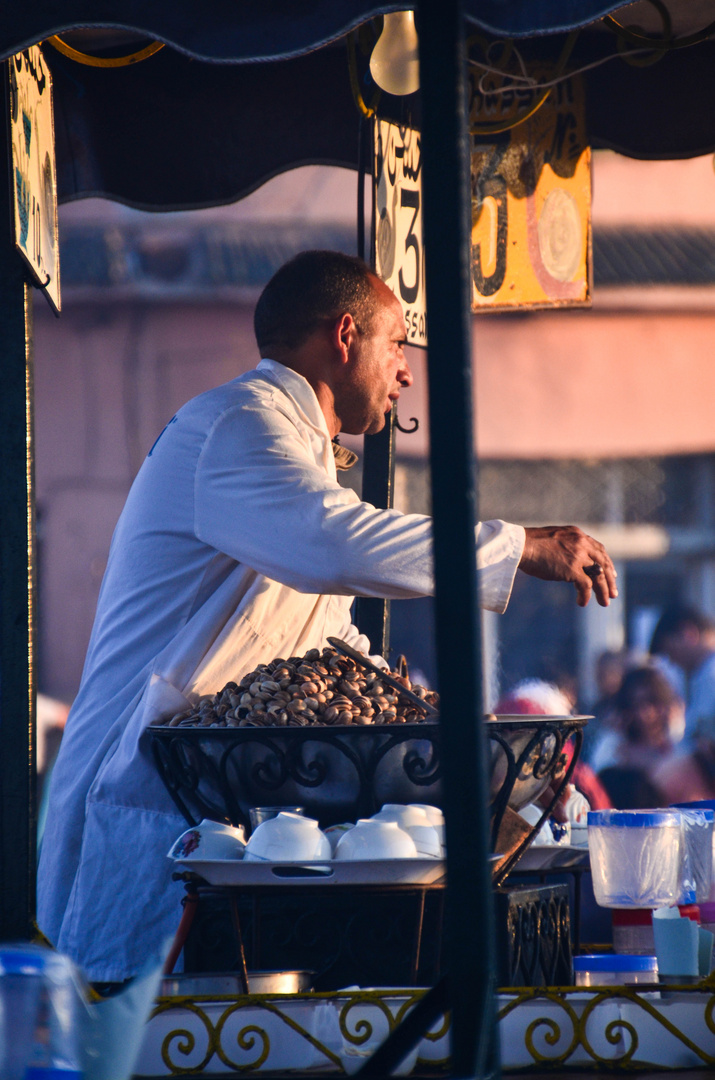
[
  {"x": 17, "y": 571},
  {"x": 469, "y": 937},
  {"x": 372, "y": 613}
]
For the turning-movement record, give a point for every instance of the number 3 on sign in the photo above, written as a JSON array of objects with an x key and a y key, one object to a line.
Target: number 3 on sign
[{"x": 399, "y": 253}]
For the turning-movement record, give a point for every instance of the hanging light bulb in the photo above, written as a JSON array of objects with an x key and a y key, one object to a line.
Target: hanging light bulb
[{"x": 394, "y": 64}]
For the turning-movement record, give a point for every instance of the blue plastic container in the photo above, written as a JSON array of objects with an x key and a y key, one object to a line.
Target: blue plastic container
[
  {"x": 614, "y": 969},
  {"x": 638, "y": 858},
  {"x": 40, "y": 1000}
]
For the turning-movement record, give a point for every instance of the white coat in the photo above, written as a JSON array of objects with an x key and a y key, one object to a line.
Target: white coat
[{"x": 236, "y": 545}]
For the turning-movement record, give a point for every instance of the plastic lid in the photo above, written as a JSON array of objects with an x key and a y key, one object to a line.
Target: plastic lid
[
  {"x": 615, "y": 962},
  {"x": 690, "y": 911},
  {"x": 23, "y": 961},
  {"x": 634, "y": 819},
  {"x": 631, "y": 916},
  {"x": 697, "y": 814}
]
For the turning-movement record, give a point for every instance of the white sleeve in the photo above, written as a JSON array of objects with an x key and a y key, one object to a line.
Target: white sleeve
[
  {"x": 499, "y": 549},
  {"x": 260, "y": 498}
]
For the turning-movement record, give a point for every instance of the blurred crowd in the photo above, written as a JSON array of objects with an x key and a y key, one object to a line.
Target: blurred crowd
[{"x": 652, "y": 740}]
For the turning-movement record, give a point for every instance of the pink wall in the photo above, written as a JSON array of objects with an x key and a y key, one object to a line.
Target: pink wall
[{"x": 107, "y": 379}]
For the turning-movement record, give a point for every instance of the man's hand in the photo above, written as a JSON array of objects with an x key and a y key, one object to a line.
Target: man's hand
[{"x": 566, "y": 553}]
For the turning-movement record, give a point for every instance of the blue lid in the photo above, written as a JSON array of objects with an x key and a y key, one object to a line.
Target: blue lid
[
  {"x": 697, "y": 814},
  {"x": 24, "y": 960},
  {"x": 615, "y": 962},
  {"x": 633, "y": 819}
]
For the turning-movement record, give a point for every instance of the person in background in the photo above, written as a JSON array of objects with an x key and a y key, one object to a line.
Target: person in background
[
  {"x": 686, "y": 637},
  {"x": 689, "y": 776},
  {"x": 637, "y": 739},
  {"x": 610, "y": 669},
  {"x": 535, "y": 697}
]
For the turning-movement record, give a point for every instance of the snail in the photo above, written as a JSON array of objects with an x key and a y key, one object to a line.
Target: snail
[{"x": 322, "y": 688}]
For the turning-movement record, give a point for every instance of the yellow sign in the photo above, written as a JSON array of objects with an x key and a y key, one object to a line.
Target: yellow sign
[
  {"x": 34, "y": 179},
  {"x": 531, "y": 198}
]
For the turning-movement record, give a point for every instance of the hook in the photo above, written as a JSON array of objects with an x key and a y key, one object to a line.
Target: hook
[{"x": 407, "y": 431}]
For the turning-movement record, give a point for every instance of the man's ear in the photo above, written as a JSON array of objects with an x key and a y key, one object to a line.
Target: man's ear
[{"x": 343, "y": 335}]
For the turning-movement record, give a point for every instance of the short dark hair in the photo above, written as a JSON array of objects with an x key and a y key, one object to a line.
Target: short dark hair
[
  {"x": 649, "y": 679},
  {"x": 674, "y": 619},
  {"x": 313, "y": 287}
]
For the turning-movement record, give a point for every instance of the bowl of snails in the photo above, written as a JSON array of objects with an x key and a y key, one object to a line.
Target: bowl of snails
[{"x": 333, "y": 734}]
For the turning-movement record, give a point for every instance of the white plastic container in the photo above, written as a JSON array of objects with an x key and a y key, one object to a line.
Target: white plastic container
[
  {"x": 614, "y": 969},
  {"x": 637, "y": 857},
  {"x": 698, "y": 825}
]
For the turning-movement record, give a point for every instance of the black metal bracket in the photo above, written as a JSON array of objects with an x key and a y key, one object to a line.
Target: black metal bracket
[{"x": 410, "y": 430}]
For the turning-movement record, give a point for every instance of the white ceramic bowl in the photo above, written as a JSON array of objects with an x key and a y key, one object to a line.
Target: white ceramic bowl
[
  {"x": 426, "y": 840},
  {"x": 435, "y": 815},
  {"x": 334, "y": 832},
  {"x": 210, "y": 840},
  {"x": 436, "y": 819},
  {"x": 405, "y": 816},
  {"x": 288, "y": 838},
  {"x": 414, "y": 820},
  {"x": 374, "y": 839}
]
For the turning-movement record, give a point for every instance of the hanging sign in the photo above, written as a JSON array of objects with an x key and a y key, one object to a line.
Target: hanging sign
[
  {"x": 33, "y": 169},
  {"x": 399, "y": 252},
  {"x": 531, "y": 198}
]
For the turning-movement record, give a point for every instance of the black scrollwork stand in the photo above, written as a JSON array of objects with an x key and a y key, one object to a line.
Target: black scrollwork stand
[{"x": 343, "y": 773}]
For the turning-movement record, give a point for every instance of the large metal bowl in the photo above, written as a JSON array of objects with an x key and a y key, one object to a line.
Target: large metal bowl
[
  {"x": 526, "y": 752},
  {"x": 342, "y": 773}
]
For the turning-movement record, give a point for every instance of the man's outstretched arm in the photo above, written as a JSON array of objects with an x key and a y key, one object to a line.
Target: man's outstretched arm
[{"x": 567, "y": 553}]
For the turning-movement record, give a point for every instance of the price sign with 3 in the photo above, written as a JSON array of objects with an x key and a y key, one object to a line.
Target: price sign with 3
[{"x": 399, "y": 252}]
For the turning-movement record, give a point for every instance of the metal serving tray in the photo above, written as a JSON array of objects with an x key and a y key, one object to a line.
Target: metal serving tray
[{"x": 337, "y": 872}]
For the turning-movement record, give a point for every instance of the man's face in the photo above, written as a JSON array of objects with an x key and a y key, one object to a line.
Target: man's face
[
  {"x": 376, "y": 369},
  {"x": 682, "y": 647},
  {"x": 646, "y": 718}
]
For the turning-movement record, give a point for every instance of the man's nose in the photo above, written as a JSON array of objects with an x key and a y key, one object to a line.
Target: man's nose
[{"x": 404, "y": 375}]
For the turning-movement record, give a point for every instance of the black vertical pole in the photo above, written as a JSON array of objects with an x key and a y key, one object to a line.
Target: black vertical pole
[
  {"x": 469, "y": 938},
  {"x": 372, "y": 613},
  {"x": 17, "y": 536}
]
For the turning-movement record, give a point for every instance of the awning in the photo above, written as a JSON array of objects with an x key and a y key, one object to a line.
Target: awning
[
  {"x": 202, "y": 122},
  {"x": 226, "y": 32}
]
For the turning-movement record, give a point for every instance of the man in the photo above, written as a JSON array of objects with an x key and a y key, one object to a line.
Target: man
[
  {"x": 686, "y": 638},
  {"x": 237, "y": 545}
]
